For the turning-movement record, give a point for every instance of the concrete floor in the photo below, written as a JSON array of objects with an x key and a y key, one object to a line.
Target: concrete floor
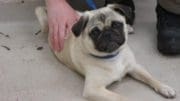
[{"x": 29, "y": 72}]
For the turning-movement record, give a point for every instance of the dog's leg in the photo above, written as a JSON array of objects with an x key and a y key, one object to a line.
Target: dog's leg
[
  {"x": 141, "y": 74},
  {"x": 41, "y": 14},
  {"x": 95, "y": 90}
]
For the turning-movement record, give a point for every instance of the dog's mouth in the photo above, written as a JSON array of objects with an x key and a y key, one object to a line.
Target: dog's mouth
[{"x": 107, "y": 41}]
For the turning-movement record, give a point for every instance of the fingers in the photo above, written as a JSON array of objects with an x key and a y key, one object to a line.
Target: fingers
[
  {"x": 54, "y": 35},
  {"x": 69, "y": 27},
  {"x": 61, "y": 37},
  {"x": 51, "y": 35},
  {"x": 58, "y": 33},
  {"x": 60, "y": 23},
  {"x": 67, "y": 32}
]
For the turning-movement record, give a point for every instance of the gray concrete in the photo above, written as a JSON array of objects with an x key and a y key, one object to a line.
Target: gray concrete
[{"x": 28, "y": 74}]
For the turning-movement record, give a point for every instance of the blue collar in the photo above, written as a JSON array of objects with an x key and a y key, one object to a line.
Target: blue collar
[
  {"x": 106, "y": 56},
  {"x": 91, "y": 4}
]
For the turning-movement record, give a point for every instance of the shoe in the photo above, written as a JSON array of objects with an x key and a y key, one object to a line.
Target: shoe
[{"x": 168, "y": 27}]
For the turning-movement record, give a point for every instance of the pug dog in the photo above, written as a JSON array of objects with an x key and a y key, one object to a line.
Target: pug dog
[{"x": 97, "y": 49}]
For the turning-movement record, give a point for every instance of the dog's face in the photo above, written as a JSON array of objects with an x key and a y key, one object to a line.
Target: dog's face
[{"x": 102, "y": 31}]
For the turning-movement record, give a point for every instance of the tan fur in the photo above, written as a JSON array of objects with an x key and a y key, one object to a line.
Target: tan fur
[{"x": 101, "y": 73}]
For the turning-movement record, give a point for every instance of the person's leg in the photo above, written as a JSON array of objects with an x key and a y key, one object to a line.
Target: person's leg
[
  {"x": 170, "y": 5},
  {"x": 81, "y": 5},
  {"x": 127, "y": 3},
  {"x": 168, "y": 26}
]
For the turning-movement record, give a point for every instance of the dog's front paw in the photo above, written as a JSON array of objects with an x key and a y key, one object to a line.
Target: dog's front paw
[{"x": 166, "y": 91}]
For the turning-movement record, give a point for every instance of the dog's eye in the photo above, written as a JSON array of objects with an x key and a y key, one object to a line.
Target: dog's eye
[
  {"x": 95, "y": 32},
  {"x": 116, "y": 24}
]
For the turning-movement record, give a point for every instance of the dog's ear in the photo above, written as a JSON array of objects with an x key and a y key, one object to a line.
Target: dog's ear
[
  {"x": 80, "y": 25},
  {"x": 125, "y": 11}
]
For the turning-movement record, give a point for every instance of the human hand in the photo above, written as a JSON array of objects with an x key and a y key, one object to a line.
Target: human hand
[{"x": 61, "y": 18}]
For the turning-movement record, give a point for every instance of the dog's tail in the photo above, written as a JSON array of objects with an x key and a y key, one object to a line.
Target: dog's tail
[{"x": 41, "y": 14}]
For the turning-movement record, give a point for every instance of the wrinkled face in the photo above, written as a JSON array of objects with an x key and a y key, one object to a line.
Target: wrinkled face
[
  {"x": 107, "y": 31},
  {"x": 104, "y": 31}
]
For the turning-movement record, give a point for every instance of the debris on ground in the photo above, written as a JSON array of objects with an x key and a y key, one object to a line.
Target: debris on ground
[
  {"x": 1, "y": 33},
  {"x": 38, "y": 32},
  {"x": 40, "y": 48},
  {"x": 22, "y": 1},
  {"x": 6, "y": 47}
]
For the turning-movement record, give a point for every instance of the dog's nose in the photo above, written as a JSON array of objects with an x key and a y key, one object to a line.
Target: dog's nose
[
  {"x": 114, "y": 36},
  {"x": 109, "y": 41}
]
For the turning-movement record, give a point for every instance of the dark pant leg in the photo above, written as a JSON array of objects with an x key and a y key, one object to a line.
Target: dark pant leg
[
  {"x": 81, "y": 5},
  {"x": 170, "y": 5},
  {"x": 129, "y": 8},
  {"x": 129, "y": 3}
]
